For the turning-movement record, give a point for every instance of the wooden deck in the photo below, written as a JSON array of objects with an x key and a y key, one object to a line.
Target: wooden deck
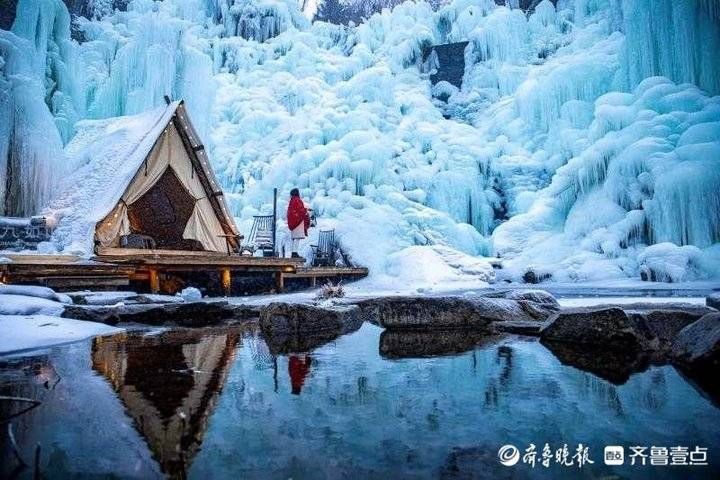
[{"x": 116, "y": 268}]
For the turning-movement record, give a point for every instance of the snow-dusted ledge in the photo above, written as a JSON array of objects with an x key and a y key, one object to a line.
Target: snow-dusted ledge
[{"x": 29, "y": 319}]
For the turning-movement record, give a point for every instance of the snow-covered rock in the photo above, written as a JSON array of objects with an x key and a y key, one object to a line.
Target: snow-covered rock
[
  {"x": 25, "y": 305},
  {"x": 450, "y": 312},
  {"x": 699, "y": 343},
  {"x": 666, "y": 262},
  {"x": 35, "y": 292},
  {"x": 191, "y": 294}
]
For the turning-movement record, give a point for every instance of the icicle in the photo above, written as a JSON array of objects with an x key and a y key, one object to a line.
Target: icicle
[{"x": 662, "y": 38}]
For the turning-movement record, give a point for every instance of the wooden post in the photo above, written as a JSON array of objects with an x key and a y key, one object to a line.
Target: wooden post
[
  {"x": 226, "y": 281},
  {"x": 279, "y": 282},
  {"x": 313, "y": 281},
  {"x": 274, "y": 225},
  {"x": 154, "y": 281}
]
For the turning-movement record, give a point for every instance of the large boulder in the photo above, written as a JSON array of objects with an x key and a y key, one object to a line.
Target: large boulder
[
  {"x": 185, "y": 314},
  {"x": 126, "y": 298},
  {"x": 698, "y": 344},
  {"x": 713, "y": 301},
  {"x": 476, "y": 312},
  {"x": 663, "y": 325},
  {"x": 539, "y": 304},
  {"x": 292, "y": 319},
  {"x": 609, "y": 328}
]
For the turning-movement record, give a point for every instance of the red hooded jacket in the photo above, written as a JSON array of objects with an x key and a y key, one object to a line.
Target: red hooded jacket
[{"x": 297, "y": 214}]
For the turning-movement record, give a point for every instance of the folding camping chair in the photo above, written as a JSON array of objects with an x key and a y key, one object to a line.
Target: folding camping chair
[
  {"x": 261, "y": 236},
  {"x": 324, "y": 251}
]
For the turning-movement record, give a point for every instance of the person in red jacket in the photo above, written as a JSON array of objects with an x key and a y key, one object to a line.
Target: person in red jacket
[{"x": 298, "y": 220}]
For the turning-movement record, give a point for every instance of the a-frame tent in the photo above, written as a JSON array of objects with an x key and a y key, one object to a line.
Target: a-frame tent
[{"x": 145, "y": 174}]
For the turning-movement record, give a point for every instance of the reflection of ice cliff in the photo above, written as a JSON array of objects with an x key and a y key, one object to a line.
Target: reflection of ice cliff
[
  {"x": 169, "y": 385},
  {"x": 584, "y": 142}
]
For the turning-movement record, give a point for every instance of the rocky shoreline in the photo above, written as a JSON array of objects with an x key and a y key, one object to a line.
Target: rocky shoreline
[{"x": 610, "y": 341}]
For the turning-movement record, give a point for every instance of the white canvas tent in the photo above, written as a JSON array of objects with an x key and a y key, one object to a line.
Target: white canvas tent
[{"x": 147, "y": 174}]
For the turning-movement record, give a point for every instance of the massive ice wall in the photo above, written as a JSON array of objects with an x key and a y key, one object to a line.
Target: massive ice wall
[
  {"x": 133, "y": 59},
  {"x": 37, "y": 105},
  {"x": 580, "y": 144},
  {"x": 45, "y": 24},
  {"x": 257, "y": 20}
]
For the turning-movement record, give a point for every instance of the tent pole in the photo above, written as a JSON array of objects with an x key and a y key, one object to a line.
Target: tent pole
[{"x": 274, "y": 225}]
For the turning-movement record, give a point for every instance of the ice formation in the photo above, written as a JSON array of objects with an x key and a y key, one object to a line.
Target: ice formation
[{"x": 584, "y": 143}]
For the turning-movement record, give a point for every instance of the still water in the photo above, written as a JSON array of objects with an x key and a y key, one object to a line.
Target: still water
[{"x": 223, "y": 403}]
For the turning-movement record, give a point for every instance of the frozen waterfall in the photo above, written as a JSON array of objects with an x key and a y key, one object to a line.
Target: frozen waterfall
[{"x": 584, "y": 142}]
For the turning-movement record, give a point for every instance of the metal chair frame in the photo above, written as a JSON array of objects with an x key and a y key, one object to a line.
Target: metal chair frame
[
  {"x": 261, "y": 235},
  {"x": 324, "y": 251}
]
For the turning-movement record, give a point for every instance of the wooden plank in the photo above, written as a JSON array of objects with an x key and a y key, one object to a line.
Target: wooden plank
[
  {"x": 311, "y": 272},
  {"x": 175, "y": 257},
  {"x": 86, "y": 282},
  {"x": 42, "y": 259},
  {"x": 67, "y": 270},
  {"x": 122, "y": 252},
  {"x": 193, "y": 264}
]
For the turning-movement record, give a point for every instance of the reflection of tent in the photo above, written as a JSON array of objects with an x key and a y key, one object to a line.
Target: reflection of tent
[
  {"x": 146, "y": 174},
  {"x": 169, "y": 384}
]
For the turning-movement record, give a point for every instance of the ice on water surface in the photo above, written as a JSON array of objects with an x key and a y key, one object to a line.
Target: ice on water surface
[{"x": 578, "y": 145}]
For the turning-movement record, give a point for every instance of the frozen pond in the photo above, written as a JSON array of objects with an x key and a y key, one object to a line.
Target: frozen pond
[{"x": 220, "y": 403}]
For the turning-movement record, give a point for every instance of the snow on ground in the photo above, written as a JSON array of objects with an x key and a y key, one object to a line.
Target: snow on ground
[
  {"x": 579, "y": 146},
  {"x": 30, "y": 318},
  {"x": 659, "y": 301},
  {"x": 34, "y": 292},
  {"x": 24, "y": 305},
  {"x": 24, "y": 332},
  {"x": 568, "y": 294}
]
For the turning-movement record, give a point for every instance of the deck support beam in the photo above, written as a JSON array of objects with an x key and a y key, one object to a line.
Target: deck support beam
[
  {"x": 226, "y": 281},
  {"x": 154, "y": 280},
  {"x": 279, "y": 282}
]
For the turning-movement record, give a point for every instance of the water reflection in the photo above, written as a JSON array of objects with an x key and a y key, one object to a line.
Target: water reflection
[
  {"x": 218, "y": 403},
  {"x": 169, "y": 384},
  {"x": 285, "y": 342},
  {"x": 396, "y": 344},
  {"x": 298, "y": 369},
  {"x": 615, "y": 366}
]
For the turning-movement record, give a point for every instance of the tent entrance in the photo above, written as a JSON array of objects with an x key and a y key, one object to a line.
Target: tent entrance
[{"x": 163, "y": 212}]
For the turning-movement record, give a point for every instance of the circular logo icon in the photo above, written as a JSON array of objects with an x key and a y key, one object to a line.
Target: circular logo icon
[{"x": 509, "y": 455}]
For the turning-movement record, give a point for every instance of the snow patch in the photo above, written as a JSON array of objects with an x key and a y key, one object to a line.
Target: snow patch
[{"x": 25, "y": 332}]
